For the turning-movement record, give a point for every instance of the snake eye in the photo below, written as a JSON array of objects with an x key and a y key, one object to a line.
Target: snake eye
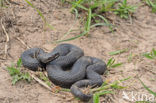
[
  {"x": 53, "y": 57},
  {"x": 57, "y": 55}
]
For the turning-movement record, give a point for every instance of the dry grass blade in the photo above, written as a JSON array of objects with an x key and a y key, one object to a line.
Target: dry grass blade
[
  {"x": 7, "y": 39},
  {"x": 40, "y": 14},
  {"x": 28, "y": 47},
  {"x": 40, "y": 82}
]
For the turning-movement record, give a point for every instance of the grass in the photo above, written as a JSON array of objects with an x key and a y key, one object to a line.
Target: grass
[
  {"x": 45, "y": 79},
  {"x": 92, "y": 19},
  {"x": 107, "y": 88},
  {"x": 149, "y": 90},
  {"x": 124, "y": 10},
  {"x": 111, "y": 63},
  {"x": 151, "y": 3},
  {"x": 94, "y": 13},
  {"x": 88, "y": 22},
  {"x": 95, "y": 10},
  {"x": 97, "y": 95},
  {"x": 16, "y": 73},
  {"x": 130, "y": 57},
  {"x": 40, "y": 14},
  {"x": 117, "y": 52},
  {"x": 151, "y": 55}
]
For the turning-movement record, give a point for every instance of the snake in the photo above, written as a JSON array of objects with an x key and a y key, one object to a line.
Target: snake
[
  {"x": 34, "y": 58},
  {"x": 95, "y": 68},
  {"x": 67, "y": 67}
]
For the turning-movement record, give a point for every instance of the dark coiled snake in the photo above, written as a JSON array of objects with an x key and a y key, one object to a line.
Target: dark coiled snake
[{"x": 67, "y": 67}]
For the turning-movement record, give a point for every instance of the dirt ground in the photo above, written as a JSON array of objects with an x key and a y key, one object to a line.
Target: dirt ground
[{"x": 23, "y": 24}]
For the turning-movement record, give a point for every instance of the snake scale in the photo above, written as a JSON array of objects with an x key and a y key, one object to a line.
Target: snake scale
[{"x": 67, "y": 67}]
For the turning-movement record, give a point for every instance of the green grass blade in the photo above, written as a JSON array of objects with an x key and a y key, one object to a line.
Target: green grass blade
[
  {"x": 76, "y": 13},
  {"x": 104, "y": 19},
  {"x": 26, "y": 76},
  {"x": 148, "y": 89},
  {"x": 50, "y": 26},
  {"x": 15, "y": 79},
  {"x": 107, "y": 86},
  {"x": 147, "y": 55},
  {"x": 96, "y": 98},
  {"x": 65, "y": 90},
  {"x": 77, "y": 4},
  {"x": 109, "y": 62},
  {"x": 118, "y": 52},
  {"x": 97, "y": 95},
  {"x": 70, "y": 30},
  {"x": 154, "y": 52},
  {"x": 12, "y": 71},
  {"x": 116, "y": 65},
  {"x": 40, "y": 13},
  {"x": 28, "y": 2},
  {"x": 125, "y": 79},
  {"x": 130, "y": 57},
  {"x": 78, "y": 36},
  {"x": 104, "y": 92},
  {"x": 116, "y": 86},
  {"x": 19, "y": 63},
  {"x": 88, "y": 23}
]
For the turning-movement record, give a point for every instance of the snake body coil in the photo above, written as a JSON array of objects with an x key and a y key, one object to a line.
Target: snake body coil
[
  {"x": 96, "y": 68},
  {"x": 67, "y": 67},
  {"x": 36, "y": 57}
]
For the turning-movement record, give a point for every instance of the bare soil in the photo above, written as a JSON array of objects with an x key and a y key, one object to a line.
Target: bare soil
[{"x": 23, "y": 24}]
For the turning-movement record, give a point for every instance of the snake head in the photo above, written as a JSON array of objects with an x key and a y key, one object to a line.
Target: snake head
[{"x": 47, "y": 57}]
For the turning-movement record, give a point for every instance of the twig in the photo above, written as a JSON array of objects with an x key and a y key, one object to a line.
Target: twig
[
  {"x": 7, "y": 40},
  {"x": 44, "y": 84},
  {"x": 40, "y": 82},
  {"x": 37, "y": 79},
  {"x": 28, "y": 47}
]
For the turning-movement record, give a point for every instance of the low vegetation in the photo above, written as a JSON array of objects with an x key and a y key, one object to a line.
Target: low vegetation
[
  {"x": 107, "y": 88},
  {"x": 124, "y": 10},
  {"x": 40, "y": 14},
  {"x": 151, "y": 55},
  {"x": 152, "y": 4},
  {"x": 17, "y": 74},
  {"x": 93, "y": 13},
  {"x": 44, "y": 79},
  {"x": 149, "y": 90},
  {"x": 111, "y": 63}
]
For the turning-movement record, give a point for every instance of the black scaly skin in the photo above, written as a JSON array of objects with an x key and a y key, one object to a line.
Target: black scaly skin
[
  {"x": 71, "y": 69},
  {"x": 35, "y": 57},
  {"x": 67, "y": 68},
  {"x": 68, "y": 55},
  {"x": 29, "y": 58},
  {"x": 93, "y": 78},
  {"x": 65, "y": 78}
]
